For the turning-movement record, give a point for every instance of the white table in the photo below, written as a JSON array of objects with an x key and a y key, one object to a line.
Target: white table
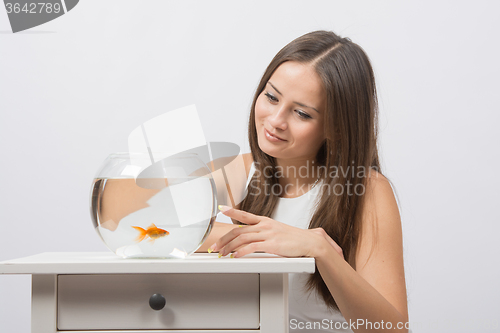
[{"x": 100, "y": 292}]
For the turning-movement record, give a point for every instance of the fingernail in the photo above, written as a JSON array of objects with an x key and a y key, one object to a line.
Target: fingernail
[
  {"x": 234, "y": 254},
  {"x": 223, "y": 208},
  {"x": 212, "y": 248}
]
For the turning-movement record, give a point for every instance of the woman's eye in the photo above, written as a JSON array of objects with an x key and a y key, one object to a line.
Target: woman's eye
[
  {"x": 303, "y": 114},
  {"x": 271, "y": 98}
]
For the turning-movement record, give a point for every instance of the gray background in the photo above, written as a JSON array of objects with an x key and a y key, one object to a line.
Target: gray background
[{"x": 72, "y": 90}]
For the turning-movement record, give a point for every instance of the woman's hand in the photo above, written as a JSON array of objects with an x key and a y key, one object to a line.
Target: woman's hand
[{"x": 263, "y": 234}]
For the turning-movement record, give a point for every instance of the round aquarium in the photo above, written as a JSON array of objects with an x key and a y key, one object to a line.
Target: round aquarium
[{"x": 146, "y": 206}]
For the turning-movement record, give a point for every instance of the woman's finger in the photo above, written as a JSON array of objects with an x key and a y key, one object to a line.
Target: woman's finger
[
  {"x": 240, "y": 215},
  {"x": 250, "y": 248},
  {"x": 241, "y": 240},
  {"x": 229, "y": 236}
]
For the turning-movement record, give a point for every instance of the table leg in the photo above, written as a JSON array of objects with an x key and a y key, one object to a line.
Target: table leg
[
  {"x": 273, "y": 303},
  {"x": 43, "y": 303}
]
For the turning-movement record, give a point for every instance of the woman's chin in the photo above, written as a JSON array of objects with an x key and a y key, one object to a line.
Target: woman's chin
[{"x": 271, "y": 151}]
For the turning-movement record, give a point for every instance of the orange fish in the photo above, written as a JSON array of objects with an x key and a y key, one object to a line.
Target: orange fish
[{"x": 152, "y": 232}]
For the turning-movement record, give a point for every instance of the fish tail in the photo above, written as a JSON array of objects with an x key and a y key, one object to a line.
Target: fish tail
[{"x": 142, "y": 234}]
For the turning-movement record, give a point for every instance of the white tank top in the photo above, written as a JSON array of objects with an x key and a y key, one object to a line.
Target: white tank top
[{"x": 307, "y": 310}]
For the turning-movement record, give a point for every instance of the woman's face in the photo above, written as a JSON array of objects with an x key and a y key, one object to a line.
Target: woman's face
[{"x": 291, "y": 107}]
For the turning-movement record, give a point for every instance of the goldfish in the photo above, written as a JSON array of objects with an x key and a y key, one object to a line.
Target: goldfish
[{"x": 153, "y": 232}]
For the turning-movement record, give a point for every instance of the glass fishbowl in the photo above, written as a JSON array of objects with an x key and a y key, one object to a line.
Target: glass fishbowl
[{"x": 145, "y": 206}]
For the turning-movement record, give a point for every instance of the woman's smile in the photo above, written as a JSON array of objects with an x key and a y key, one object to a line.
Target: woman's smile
[{"x": 272, "y": 137}]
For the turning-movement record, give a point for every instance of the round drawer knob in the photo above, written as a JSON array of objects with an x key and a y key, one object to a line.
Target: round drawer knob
[{"x": 157, "y": 302}]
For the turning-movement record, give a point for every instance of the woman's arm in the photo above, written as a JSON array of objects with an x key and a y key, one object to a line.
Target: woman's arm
[
  {"x": 236, "y": 173},
  {"x": 376, "y": 290}
]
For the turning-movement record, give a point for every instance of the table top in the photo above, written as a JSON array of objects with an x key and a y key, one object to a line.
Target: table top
[{"x": 109, "y": 263}]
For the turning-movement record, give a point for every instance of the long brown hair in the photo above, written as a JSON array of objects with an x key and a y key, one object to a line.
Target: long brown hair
[{"x": 350, "y": 128}]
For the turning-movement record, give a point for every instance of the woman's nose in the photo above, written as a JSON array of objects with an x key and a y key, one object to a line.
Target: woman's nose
[{"x": 278, "y": 118}]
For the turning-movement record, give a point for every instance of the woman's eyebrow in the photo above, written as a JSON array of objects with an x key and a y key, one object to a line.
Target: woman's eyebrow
[{"x": 300, "y": 104}]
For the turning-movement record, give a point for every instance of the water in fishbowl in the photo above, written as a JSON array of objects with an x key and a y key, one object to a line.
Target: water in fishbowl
[{"x": 152, "y": 218}]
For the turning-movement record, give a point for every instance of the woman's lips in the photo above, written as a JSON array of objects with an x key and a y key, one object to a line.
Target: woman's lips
[{"x": 271, "y": 137}]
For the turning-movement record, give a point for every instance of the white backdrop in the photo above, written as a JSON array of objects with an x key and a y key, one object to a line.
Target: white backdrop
[{"x": 72, "y": 90}]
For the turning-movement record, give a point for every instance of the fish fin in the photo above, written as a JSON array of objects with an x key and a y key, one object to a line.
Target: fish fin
[
  {"x": 142, "y": 234},
  {"x": 151, "y": 240},
  {"x": 153, "y": 226}
]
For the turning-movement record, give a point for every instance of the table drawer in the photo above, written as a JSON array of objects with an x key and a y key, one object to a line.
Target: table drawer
[{"x": 193, "y": 301}]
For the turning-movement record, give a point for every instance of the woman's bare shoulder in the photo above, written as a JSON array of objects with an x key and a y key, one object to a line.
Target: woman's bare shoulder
[
  {"x": 380, "y": 211},
  {"x": 235, "y": 164},
  {"x": 379, "y": 192},
  {"x": 233, "y": 175},
  {"x": 247, "y": 160},
  {"x": 375, "y": 176}
]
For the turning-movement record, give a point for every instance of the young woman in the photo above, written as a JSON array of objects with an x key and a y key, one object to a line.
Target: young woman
[{"x": 315, "y": 189}]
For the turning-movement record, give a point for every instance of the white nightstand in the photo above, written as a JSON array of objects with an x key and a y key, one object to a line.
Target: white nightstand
[{"x": 100, "y": 292}]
